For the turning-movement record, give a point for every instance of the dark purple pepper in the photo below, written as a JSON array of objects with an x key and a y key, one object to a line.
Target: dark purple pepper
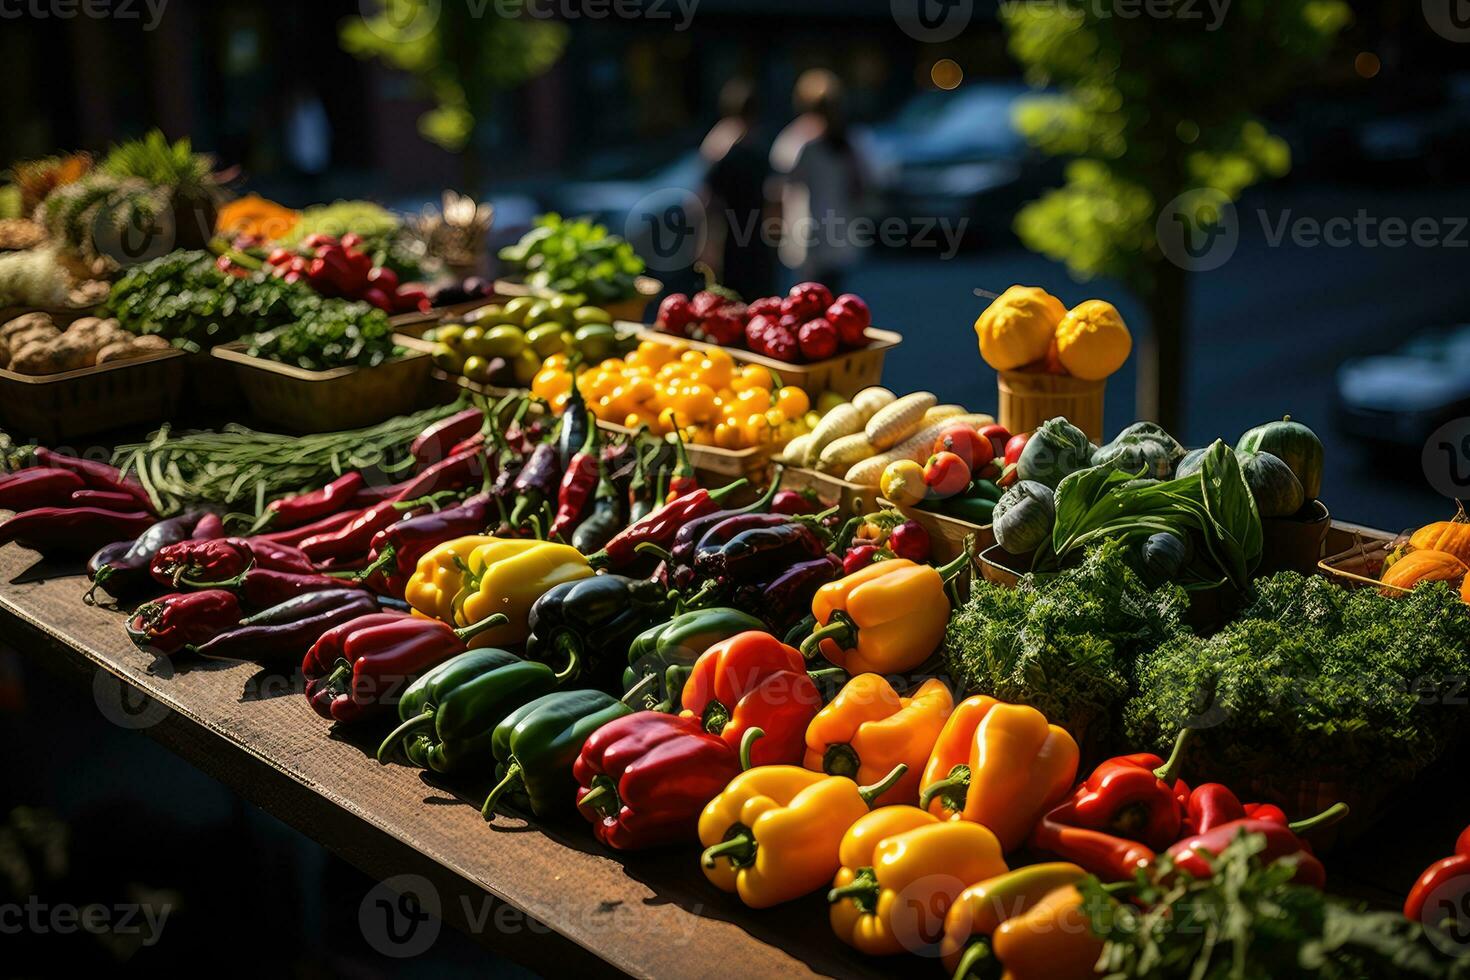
[
  {"x": 756, "y": 552},
  {"x": 536, "y": 483},
  {"x": 127, "y": 574},
  {"x": 283, "y": 639},
  {"x": 690, "y": 535},
  {"x": 788, "y": 596}
]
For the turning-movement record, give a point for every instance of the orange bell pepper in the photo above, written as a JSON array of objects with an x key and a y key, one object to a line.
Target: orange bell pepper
[
  {"x": 972, "y": 919},
  {"x": 901, "y": 870},
  {"x": 1051, "y": 940},
  {"x": 998, "y": 764},
  {"x": 868, "y": 728},
  {"x": 775, "y": 833},
  {"x": 887, "y": 617}
]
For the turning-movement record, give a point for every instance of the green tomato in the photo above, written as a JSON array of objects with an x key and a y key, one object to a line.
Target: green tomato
[
  {"x": 449, "y": 333},
  {"x": 547, "y": 339},
  {"x": 584, "y": 315},
  {"x": 515, "y": 310}
]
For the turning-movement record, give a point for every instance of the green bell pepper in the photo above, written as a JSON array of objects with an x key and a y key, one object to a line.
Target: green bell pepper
[
  {"x": 536, "y": 744},
  {"x": 678, "y": 643},
  {"x": 450, "y": 713}
]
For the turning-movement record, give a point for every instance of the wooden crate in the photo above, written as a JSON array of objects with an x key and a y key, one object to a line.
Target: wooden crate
[
  {"x": 55, "y": 407},
  {"x": 327, "y": 401},
  {"x": 846, "y": 374},
  {"x": 851, "y": 498},
  {"x": 947, "y": 535}
]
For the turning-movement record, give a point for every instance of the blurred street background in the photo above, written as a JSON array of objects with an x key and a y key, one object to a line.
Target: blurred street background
[{"x": 1313, "y": 154}]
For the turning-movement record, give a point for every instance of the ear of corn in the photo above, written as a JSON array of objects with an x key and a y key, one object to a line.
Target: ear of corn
[
  {"x": 898, "y": 420},
  {"x": 795, "y": 451},
  {"x": 844, "y": 420},
  {"x": 869, "y": 400},
  {"x": 941, "y": 412},
  {"x": 916, "y": 447},
  {"x": 841, "y": 453}
]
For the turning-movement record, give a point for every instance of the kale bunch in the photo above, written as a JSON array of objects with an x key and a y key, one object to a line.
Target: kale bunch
[
  {"x": 1336, "y": 682},
  {"x": 1065, "y": 643}
]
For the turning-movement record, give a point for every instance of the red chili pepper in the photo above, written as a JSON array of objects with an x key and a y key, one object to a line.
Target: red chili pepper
[
  {"x": 357, "y": 669},
  {"x": 223, "y": 558},
  {"x": 39, "y": 486},
  {"x": 56, "y": 529},
  {"x": 1282, "y": 841},
  {"x": 303, "y": 508},
  {"x": 795, "y": 502},
  {"x": 1208, "y": 806},
  {"x": 753, "y": 680},
  {"x": 211, "y": 525},
  {"x": 451, "y": 473},
  {"x": 1266, "y": 811},
  {"x": 644, "y": 778},
  {"x": 352, "y": 539},
  {"x": 577, "y": 484},
  {"x": 169, "y": 624},
  {"x": 294, "y": 536},
  {"x": 261, "y": 588},
  {"x": 105, "y": 499},
  {"x": 660, "y": 527},
  {"x": 1439, "y": 893},
  {"x": 434, "y": 443},
  {"x": 98, "y": 476},
  {"x": 397, "y": 549},
  {"x": 859, "y": 556}
]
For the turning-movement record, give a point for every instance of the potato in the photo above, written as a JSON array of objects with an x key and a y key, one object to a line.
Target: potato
[
  {"x": 152, "y": 342},
  {"x": 33, "y": 358},
  {"x": 70, "y": 353},
  {"x": 40, "y": 332},
  {"x": 23, "y": 323},
  {"x": 119, "y": 351}
]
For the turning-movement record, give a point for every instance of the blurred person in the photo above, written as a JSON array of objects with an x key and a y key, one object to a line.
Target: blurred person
[
  {"x": 821, "y": 182},
  {"x": 734, "y": 193}
]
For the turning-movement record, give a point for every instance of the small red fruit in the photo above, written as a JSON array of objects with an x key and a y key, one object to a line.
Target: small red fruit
[
  {"x": 1014, "y": 445},
  {"x": 807, "y": 300},
  {"x": 998, "y": 435},
  {"x": 818, "y": 340},
  {"x": 850, "y": 315},
  {"x": 675, "y": 314}
]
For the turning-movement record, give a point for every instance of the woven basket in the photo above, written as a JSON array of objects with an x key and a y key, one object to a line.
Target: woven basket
[
  {"x": 56, "y": 407},
  {"x": 1028, "y": 399},
  {"x": 327, "y": 401}
]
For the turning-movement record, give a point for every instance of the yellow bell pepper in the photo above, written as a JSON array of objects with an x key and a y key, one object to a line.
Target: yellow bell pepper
[
  {"x": 902, "y": 869},
  {"x": 973, "y": 918},
  {"x": 1092, "y": 340},
  {"x": 998, "y": 764},
  {"x": 886, "y": 618},
  {"x": 774, "y": 834},
  {"x": 1052, "y": 940},
  {"x": 439, "y": 576},
  {"x": 509, "y": 575},
  {"x": 868, "y": 728}
]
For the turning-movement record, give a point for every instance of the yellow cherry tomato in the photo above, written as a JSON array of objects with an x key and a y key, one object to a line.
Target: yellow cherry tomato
[
  {"x": 727, "y": 436},
  {"x": 792, "y": 402},
  {"x": 755, "y": 400},
  {"x": 717, "y": 371}
]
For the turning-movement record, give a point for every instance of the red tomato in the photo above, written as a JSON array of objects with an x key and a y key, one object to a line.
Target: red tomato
[
  {"x": 966, "y": 443},
  {"x": 1014, "y": 447},
  {"x": 998, "y": 435},
  {"x": 946, "y": 474}
]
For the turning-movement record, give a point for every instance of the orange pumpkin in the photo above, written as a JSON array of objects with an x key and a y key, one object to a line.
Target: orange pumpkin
[
  {"x": 1451, "y": 537},
  {"x": 1424, "y": 566}
]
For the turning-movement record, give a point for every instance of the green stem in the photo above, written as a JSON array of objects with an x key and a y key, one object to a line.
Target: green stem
[
  {"x": 468, "y": 633},
  {"x": 727, "y": 489},
  {"x": 1165, "y": 774},
  {"x": 739, "y": 849},
  {"x": 1326, "y": 818},
  {"x": 747, "y": 742},
  {"x": 871, "y": 793},
  {"x": 384, "y": 559},
  {"x": 636, "y": 691},
  {"x": 843, "y": 632},
  {"x": 601, "y": 796},
  {"x": 979, "y": 961},
  {"x": 952, "y": 570},
  {"x": 863, "y": 889},
  {"x": 511, "y": 779},
  {"x": 818, "y": 676},
  {"x": 340, "y": 675},
  {"x": 957, "y": 780},
  {"x": 567, "y": 645},
  {"x": 841, "y": 759},
  {"x": 425, "y": 719},
  {"x": 649, "y": 548},
  {"x": 715, "y": 717}
]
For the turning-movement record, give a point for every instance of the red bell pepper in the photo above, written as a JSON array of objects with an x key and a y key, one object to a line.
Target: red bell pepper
[
  {"x": 169, "y": 624},
  {"x": 39, "y": 486},
  {"x": 1209, "y": 805},
  {"x": 1439, "y": 893},
  {"x": 643, "y": 779},
  {"x": 1282, "y": 841},
  {"x": 753, "y": 680},
  {"x": 360, "y": 668},
  {"x": 1119, "y": 817}
]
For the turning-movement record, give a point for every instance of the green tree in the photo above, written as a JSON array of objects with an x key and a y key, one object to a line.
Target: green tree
[
  {"x": 462, "y": 52},
  {"x": 1155, "y": 99}
]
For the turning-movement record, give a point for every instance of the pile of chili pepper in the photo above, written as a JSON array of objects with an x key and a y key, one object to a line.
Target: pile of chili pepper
[{"x": 67, "y": 505}]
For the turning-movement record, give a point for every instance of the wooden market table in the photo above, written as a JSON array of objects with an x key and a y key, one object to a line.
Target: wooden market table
[
  {"x": 647, "y": 914},
  {"x": 250, "y": 728}
]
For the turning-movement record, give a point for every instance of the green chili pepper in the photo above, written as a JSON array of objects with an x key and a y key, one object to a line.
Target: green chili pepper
[
  {"x": 536, "y": 744},
  {"x": 450, "y": 713},
  {"x": 678, "y": 643},
  {"x": 976, "y": 510}
]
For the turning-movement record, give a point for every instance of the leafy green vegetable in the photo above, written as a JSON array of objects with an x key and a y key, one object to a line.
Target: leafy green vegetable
[
  {"x": 186, "y": 299},
  {"x": 1214, "y": 506},
  {"x": 1247, "y": 921},
  {"x": 1065, "y": 643},
  {"x": 163, "y": 164},
  {"x": 1337, "y": 682},
  {"x": 575, "y": 256}
]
